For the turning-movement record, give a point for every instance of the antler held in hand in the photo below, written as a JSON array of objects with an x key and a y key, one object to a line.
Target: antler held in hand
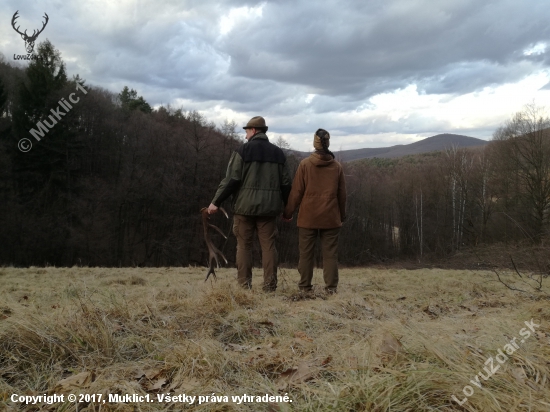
[{"x": 213, "y": 251}]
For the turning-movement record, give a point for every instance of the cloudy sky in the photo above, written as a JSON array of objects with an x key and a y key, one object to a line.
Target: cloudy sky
[{"x": 373, "y": 73}]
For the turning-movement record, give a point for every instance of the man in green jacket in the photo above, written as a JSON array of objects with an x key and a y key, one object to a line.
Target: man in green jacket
[{"x": 259, "y": 180}]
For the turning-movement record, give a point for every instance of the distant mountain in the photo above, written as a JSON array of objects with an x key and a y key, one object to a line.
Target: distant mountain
[{"x": 436, "y": 143}]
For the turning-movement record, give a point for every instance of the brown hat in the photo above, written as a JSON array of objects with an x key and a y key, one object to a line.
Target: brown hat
[{"x": 256, "y": 122}]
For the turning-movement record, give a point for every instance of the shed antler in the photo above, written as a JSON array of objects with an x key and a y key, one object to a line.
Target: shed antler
[{"x": 213, "y": 251}]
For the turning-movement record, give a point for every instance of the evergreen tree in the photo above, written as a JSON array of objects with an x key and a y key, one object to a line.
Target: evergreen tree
[
  {"x": 129, "y": 100},
  {"x": 44, "y": 169},
  {"x": 45, "y": 178},
  {"x": 5, "y": 121},
  {"x": 3, "y": 98}
]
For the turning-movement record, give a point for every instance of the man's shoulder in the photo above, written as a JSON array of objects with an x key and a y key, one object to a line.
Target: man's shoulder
[{"x": 261, "y": 150}]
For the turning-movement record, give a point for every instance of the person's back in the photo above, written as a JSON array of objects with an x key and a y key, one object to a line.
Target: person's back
[
  {"x": 258, "y": 179},
  {"x": 319, "y": 189},
  {"x": 321, "y": 202},
  {"x": 262, "y": 174}
]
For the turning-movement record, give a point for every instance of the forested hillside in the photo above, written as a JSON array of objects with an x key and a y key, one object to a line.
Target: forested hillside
[{"x": 114, "y": 182}]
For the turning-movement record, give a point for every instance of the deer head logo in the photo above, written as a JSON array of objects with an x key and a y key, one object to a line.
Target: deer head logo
[{"x": 29, "y": 40}]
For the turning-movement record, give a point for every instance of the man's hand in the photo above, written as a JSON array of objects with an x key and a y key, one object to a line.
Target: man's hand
[
  {"x": 212, "y": 209},
  {"x": 286, "y": 219}
]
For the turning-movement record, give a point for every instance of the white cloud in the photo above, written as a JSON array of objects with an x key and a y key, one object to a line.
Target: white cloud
[
  {"x": 536, "y": 49},
  {"x": 405, "y": 115},
  {"x": 463, "y": 111},
  {"x": 239, "y": 15},
  {"x": 309, "y": 97}
]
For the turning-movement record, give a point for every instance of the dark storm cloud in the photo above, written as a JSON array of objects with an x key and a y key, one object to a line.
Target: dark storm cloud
[
  {"x": 358, "y": 48},
  {"x": 354, "y": 49},
  {"x": 302, "y": 62}
]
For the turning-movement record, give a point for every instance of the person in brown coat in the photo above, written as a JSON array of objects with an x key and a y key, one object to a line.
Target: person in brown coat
[{"x": 319, "y": 189}]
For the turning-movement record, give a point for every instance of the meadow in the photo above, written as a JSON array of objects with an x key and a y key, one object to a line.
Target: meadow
[{"x": 389, "y": 340}]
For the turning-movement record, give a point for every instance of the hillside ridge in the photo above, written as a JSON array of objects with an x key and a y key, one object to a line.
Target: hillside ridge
[{"x": 435, "y": 143}]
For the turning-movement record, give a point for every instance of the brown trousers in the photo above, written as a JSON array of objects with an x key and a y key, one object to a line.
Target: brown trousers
[
  {"x": 329, "y": 248},
  {"x": 243, "y": 228}
]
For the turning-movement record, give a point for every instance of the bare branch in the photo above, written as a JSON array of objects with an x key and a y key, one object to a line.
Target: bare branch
[
  {"x": 505, "y": 284},
  {"x": 515, "y": 268}
]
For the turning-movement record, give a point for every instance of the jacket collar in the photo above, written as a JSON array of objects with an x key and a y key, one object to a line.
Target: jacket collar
[
  {"x": 259, "y": 135},
  {"x": 322, "y": 156}
]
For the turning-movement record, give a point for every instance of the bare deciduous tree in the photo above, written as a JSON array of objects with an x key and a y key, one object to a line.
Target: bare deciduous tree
[{"x": 525, "y": 140}]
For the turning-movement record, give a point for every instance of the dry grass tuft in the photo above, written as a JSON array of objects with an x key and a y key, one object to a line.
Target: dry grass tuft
[{"x": 389, "y": 340}]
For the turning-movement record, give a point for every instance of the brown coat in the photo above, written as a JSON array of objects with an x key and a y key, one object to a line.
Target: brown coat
[{"x": 319, "y": 189}]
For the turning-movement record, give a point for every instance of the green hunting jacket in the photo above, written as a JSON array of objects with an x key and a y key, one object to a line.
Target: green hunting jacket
[{"x": 258, "y": 179}]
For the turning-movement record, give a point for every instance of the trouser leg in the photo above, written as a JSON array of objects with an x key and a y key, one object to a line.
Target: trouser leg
[
  {"x": 329, "y": 247},
  {"x": 243, "y": 228},
  {"x": 306, "y": 244},
  {"x": 267, "y": 235}
]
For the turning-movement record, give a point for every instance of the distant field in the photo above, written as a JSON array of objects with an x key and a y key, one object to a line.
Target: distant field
[{"x": 390, "y": 340}]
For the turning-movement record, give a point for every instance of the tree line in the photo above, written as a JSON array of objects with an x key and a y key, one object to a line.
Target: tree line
[
  {"x": 117, "y": 183},
  {"x": 438, "y": 203}
]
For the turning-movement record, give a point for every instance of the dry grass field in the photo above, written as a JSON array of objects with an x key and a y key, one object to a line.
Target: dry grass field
[{"x": 390, "y": 340}]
